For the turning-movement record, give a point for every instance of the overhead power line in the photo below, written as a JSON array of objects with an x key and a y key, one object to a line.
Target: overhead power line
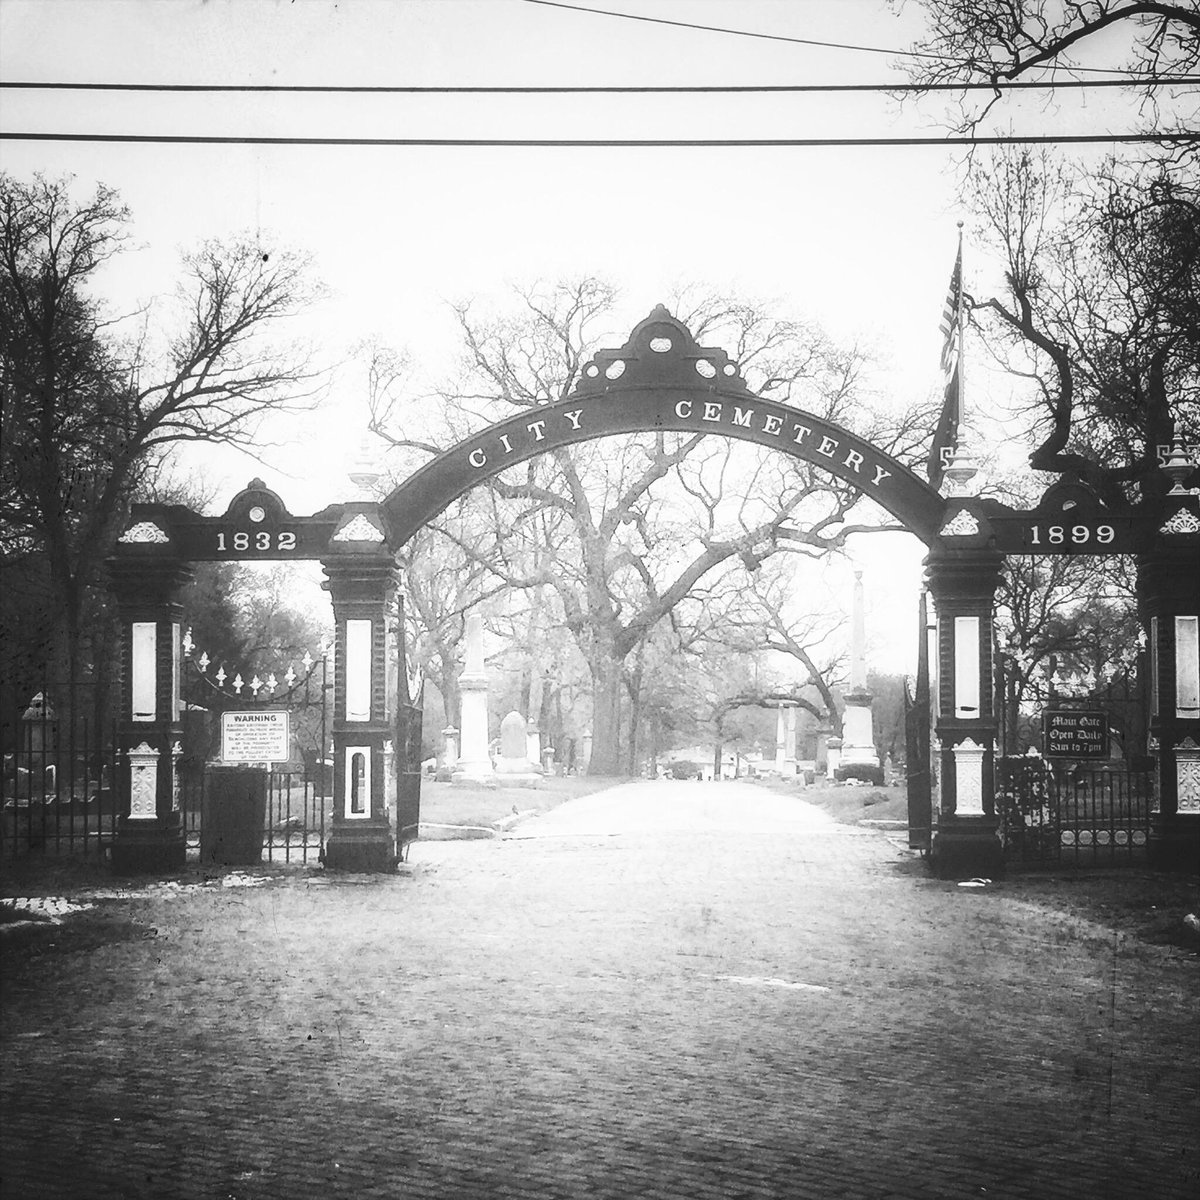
[
  {"x": 682, "y": 143},
  {"x": 583, "y": 89},
  {"x": 770, "y": 37}
]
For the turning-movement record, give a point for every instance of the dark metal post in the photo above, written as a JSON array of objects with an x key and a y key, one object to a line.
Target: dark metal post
[{"x": 917, "y": 738}]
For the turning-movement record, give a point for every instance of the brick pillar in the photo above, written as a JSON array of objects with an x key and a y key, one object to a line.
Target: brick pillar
[
  {"x": 147, "y": 581},
  {"x": 963, "y": 586},
  {"x": 1169, "y": 606},
  {"x": 361, "y": 581}
]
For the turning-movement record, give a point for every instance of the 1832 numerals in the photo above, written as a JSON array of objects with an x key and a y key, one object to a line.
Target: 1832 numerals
[{"x": 258, "y": 539}]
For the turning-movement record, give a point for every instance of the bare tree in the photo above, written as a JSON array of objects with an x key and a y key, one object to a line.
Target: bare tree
[
  {"x": 773, "y": 616},
  {"x": 89, "y": 401},
  {"x": 1001, "y": 41},
  {"x": 1101, "y": 312},
  {"x": 1060, "y": 616},
  {"x": 620, "y": 532}
]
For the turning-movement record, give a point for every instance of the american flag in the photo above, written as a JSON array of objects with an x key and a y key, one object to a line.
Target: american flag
[{"x": 945, "y": 437}]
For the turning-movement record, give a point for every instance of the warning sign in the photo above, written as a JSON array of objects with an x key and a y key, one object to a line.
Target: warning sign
[
  {"x": 255, "y": 737},
  {"x": 1075, "y": 733}
]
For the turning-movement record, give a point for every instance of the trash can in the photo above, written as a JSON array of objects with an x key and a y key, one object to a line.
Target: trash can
[{"x": 233, "y": 816}]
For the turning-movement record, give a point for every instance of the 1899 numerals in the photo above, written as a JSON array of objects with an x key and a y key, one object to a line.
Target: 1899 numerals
[
  {"x": 260, "y": 539},
  {"x": 1074, "y": 535}
]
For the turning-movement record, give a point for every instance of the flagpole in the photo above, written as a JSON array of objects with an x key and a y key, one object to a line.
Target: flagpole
[{"x": 963, "y": 317}]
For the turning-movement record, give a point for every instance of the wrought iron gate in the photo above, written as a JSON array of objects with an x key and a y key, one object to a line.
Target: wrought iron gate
[
  {"x": 298, "y": 806},
  {"x": 1073, "y": 815},
  {"x": 408, "y": 772},
  {"x": 57, "y": 793},
  {"x": 410, "y": 703}
]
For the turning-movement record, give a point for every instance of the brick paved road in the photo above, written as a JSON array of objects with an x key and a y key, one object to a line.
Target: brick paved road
[{"x": 679, "y": 1006}]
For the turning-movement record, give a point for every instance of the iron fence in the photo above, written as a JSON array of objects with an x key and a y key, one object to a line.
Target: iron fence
[
  {"x": 1073, "y": 814},
  {"x": 57, "y": 786},
  {"x": 297, "y": 817}
]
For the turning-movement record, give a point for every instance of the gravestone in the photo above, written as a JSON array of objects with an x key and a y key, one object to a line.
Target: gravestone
[{"x": 513, "y": 766}]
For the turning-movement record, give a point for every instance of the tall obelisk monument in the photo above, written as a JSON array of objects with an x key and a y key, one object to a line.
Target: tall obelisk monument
[
  {"x": 475, "y": 760},
  {"x": 859, "y": 759}
]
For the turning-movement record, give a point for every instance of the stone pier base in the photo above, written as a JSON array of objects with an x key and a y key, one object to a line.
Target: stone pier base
[
  {"x": 967, "y": 848},
  {"x": 361, "y": 846},
  {"x": 148, "y": 848}
]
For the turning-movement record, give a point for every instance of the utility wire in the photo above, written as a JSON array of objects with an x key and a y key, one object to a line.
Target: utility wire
[
  {"x": 965, "y": 140},
  {"x": 770, "y": 37},
  {"x": 415, "y": 90}
]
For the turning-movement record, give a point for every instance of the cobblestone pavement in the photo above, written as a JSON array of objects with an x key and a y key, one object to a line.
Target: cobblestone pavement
[{"x": 688, "y": 1005}]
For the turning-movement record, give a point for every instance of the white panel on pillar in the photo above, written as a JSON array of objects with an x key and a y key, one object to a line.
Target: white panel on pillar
[
  {"x": 1187, "y": 667},
  {"x": 358, "y": 670},
  {"x": 176, "y": 648},
  {"x": 143, "y": 646},
  {"x": 968, "y": 779},
  {"x": 935, "y": 687},
  {"x": 966, "y": 667},
  {"x": 357, "y": 806},
  {"x": 1154, "y": 666},
  {"x": 1187, "y": 776},
  {"x": 143, "y": 790},
  {"x": 176, "y": 797}
]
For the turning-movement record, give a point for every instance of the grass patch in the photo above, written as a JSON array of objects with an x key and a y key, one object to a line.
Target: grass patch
[
  {"x": 848, "y": 803},
  {"x": 1141, "y": 903},
  {"x": 465, "y": 804}
]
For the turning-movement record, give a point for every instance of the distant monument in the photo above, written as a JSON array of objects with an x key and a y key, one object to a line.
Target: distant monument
[
  {"x": 514, "y": 767},
  {"x": 858, "y": 759},
  {"x": 533, "y": 749},
  {"x": 445, "y": 769},
  {"x": 785, "y": 738},
  {"x": 475, "y": 761}
]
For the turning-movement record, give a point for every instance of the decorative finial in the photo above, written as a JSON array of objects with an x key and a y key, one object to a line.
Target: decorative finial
[
  {"x": 1178, "y": 465},
  {"x": 960, "y": 471},
  {"x": 364, "y": 472}
]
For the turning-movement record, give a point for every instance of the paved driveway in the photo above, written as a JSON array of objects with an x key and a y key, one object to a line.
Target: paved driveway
[{"x": 666, "y": 990}]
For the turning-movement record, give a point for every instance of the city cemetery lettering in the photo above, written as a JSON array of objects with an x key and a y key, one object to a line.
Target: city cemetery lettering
[{"x": 766, "y": 423}]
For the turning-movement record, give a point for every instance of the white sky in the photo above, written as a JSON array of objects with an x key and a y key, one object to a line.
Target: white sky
[{"x": 860, "y": 239}]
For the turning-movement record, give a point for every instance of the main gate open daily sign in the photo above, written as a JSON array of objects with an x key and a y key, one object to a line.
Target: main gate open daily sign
[
  {"x": 262, "y": 736},
  {"x": 1075, "y": 733}
]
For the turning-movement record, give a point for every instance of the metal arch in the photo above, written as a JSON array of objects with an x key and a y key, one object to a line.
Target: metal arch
[{"x": 663, "y": 380}]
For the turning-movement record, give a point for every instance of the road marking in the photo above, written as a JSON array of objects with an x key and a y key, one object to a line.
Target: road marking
[{"x": 761, "y": 981}]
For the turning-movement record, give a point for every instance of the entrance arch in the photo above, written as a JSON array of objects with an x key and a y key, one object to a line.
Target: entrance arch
[{"x": 660, "y": 380}]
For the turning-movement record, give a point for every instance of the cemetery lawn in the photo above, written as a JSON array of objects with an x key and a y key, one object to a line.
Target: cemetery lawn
[
  {"x": 849, "y": 803},
  {"x": 467, "y": 807}
]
